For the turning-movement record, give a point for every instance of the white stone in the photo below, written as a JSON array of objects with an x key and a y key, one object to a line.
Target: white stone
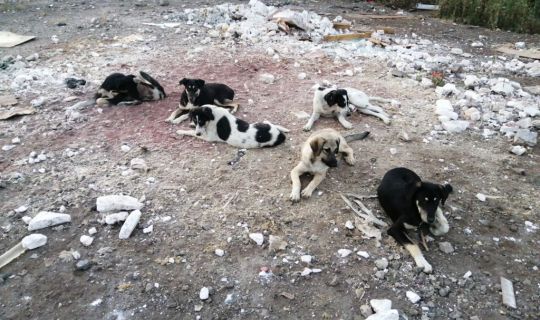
[
  {"x": 8, "y": 147},
  {"x": 471, "y": 81},
  {"x": 532, "y": 111},
  {"x": 363, "y": 254},
  {"x": 381, "y": 263},
  {"x": 386, "y": 315},
  {"x": 380, "y": 305},
  {"x": 455, "y": 126},
  {"x": 92, "y": 231},
  {"x": 114, "y": 218},
  {"x": 457, "y": 51},
  {"x": 257, "y": 237},
  {"x": 26, "y": 219},
  {"x": 413, "y": 297},
  {"x": 344, "y": 252},
  {"x": 16, "y": 140},
  {"x": 349, "y": 73},
  {"x": 138, "y": 164},
  {"x": 426, "y": 83},
  {"x": 480, "y": 196},
  {"x": 38, "y": 102},
  {"x": 267, "y": 78},
  {"x": 302, "y": 75},
  {"x": 46, "y": 219},
  {"x": 219, "y": 252},
  {"x": 447, "y": 89},
  {"x": 125, "y": 148},
  {"x": 520, "y": 45},
  {"x": 349, "y": 225},
  {"x": 33, "y": 241},
  {"x": 306, "y": 258},
  {"x": 503, "y": 87},
  {"x": 21, "y": 209},
  {"x": 525, "y": 136},
  {"x": 148, "y": 229},
  {"x": 518, "y": 150},
  {"x": 467, "y": 275},
  {"x": 477, "y": 44},
  {"x": 86, "y": 240},
  {"x": 443, "y": 107},
  {"x": 472, "y": 114},
  {"x": 130, "y": 224},
  {"x": 117, "y": 202},
  {"x": 306, "y": 272},
  {"x": 96, "y": 302},
  {"x": 204, "y": 294}
]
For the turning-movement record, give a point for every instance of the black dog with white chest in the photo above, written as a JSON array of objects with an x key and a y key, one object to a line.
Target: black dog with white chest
[
  {"x": 119, "y": 88},
  {"x": 413, "y": 204},
  {"x": 198, "y": 93}
]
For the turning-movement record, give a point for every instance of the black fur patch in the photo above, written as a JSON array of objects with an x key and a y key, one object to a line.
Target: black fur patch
[
  {"x": 263, "y": 132},
  {"x": 241, "y": 125},
  {"x": 280, "y": 139},
  {"x": 223, "y": 128}
]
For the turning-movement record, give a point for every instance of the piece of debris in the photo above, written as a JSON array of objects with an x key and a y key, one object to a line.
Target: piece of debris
[
  {"x": 344, "y": 252},
  {"x": 429, "y": 7},
  {"x": 301, "y": 115},
  {"x": 138, "y": 164},
  {"x": 467, "y": 275},
  {"x": 10, "y": 39},
  {"x": 446, "y": 247},
  {"x": 381, "y": 263},
  {"x": 276, "y": 243},
  {"x": 349, "y": 225},
  {"x": 16, "y": 111},
  {"x": 525, "y": 53},
  {"x": 287, "y": 295},
  {"x": 480, "y": 196},
  {"x": 257, "y": 237},
  {"x": 29, "y": 242},
  {"x": 117, "y": 203},
  {"x": 7, "y": 101},
  {"x": 46, "y": 219},
  {"x": 114, "y": 218},
  {"x": 148, "y": 229},
  {"x": 507, "y": 288},
  {"x": 204, "y": 294},
  {"x": 239, "y": 154},
  {"x": 368, "y": 216},
  {"x": 130, "y": 224},
  {"x": 413, "y": 297},
  {"x": 518, "y": 150},
  {"x": 347, "y": 36},
  {"x": 267, "y": 78},
  {"x": 219, "y": 252},
  {"x": 86, "y": 240},
  {"x": 380, "y": 305},
  {"x": 73, "y": 83}
]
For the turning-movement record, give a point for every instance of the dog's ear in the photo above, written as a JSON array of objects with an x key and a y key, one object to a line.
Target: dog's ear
[
  {"x": 446, "y": 189},
  {"x": 199, "y": 83},
  {"x": 338, "y": 141},
  {"x": 208, "y": 112},
  {"x": 317, "y": 146},
  {"x": 411, "y": 191},
  {"x": 182, "y": 82},
  {"x": 330, "y": 97}
]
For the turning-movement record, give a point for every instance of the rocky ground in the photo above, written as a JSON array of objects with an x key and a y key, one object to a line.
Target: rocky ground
[{"x": 194, "y": 253}]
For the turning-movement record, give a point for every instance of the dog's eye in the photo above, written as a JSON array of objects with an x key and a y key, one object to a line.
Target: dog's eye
[
  {"x": 427, "y": 199},
  {"x": 434, "y": 199},
  {"x": 327, "y": 150}
]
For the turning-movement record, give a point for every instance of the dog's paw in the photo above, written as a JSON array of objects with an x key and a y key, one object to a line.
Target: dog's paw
[
  {"x": 307, "y": 127},
  {"x": 427, "y": 268},
  {"x": 169, "y": 119},
  {"x": 295, "y": 196},
  {"x": 306, "y": 193},
  {"x": 387, "y": 121},
  {"x": 350, "y": 161},
  {"x": 347, "y": 125}
]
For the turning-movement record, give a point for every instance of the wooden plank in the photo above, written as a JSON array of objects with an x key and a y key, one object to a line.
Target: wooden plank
[
  {"x": 347, "y": 36},
  {"x": 528, "y": 53},
  {"x": 342, "y": 25},
  {"x": 376, "y": 16}
]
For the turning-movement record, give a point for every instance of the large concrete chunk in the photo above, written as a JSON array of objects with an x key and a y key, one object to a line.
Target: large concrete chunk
[
  {"x": 117, "y": 203},
  {"x": 46, "y": 219}
]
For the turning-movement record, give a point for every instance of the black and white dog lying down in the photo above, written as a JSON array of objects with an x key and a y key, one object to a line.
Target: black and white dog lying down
[
  {"x": 198, "y": 93},
  {"x": 214, "y": 123},
  {"x": 330, "y": 101},
  {"x": 120, "y": 89},
  {"x": 413, "y": 204}
]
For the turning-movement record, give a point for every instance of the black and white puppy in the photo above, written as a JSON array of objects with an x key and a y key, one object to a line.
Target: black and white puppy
[
  {"x": 364, "y": 104},
  {"x": 198, "y": 93},
  {"x": 330, "y": 102},
  {"x": 129, "y": 89},
  {"x": 214, "y": 123},
  {"x": 413, "y": 204}
]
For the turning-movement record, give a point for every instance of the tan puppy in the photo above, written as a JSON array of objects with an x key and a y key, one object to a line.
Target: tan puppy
[{"x": 318, "y": 154}]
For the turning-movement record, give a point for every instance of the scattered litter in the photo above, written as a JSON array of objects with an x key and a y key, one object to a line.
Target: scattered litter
[
  {"x": 29, "y": 242},
  {"x": 9, "y": 39},
  {"x": 130, "y": 224},
  {"x": 507, "y": 288},
  {"x": 239, "y": 154},
  {"x": 46, "y": 219},
  {"x": 117, "y": 203},
  {"x": 257, "y": 237}
]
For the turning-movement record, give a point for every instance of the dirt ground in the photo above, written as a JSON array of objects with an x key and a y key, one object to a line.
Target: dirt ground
[{"x": 197, "y": 202}]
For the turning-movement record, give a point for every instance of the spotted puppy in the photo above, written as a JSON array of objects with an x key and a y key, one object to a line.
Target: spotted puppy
[
  {"x": 413, "y": 204},
  {"x": 318, "y": 155},
  {"x": 198, "y": 93},
  {"x": 214, "y": 123},
  {"x": 330, "y": 102},
  {"x": 120, "y": 89},
  {"x": 364, "y": 104}
]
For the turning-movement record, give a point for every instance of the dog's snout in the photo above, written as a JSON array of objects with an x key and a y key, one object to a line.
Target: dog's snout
[{"x": 198, "y": 133}]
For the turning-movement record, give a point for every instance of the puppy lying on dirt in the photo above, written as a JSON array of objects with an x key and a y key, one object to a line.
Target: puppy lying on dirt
[
  {"x": 213, "y": 123},
  {"x": 413, "y": 204},
  {"x": 318, "y": 155},
  {"x": 120, "y": 89},
  {"x": 198, "y": 93}
]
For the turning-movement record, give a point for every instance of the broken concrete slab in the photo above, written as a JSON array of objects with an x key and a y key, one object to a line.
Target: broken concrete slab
[
  {"x": 8, "y": 100},
  {"x": 508, "y": 297},
  {"x": 46, "y": 219},
  {"x": 117, "y": 203},
  {"x": 130, "y": 224},
  {"x": 16, "y": 111},
  {"x": 10, "y": 39}
]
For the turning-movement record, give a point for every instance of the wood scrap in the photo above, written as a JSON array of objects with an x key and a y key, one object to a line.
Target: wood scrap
[
  {"x": 376, "y": 16},
  {"x": 342, "y": 25},
  {"x": 368, "y": 217},
  {"x": 347, "y": 36},
  {"x": 377, "y": 42},
  {"x": 527, "y": 53},
  {"x": 362, "y": 197}
]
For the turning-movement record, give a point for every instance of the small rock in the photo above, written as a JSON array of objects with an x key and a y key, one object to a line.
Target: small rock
[
  {"x": 276, "y": 243},
  {"x": 8, "y": 147},
  {"x": 83, "y": 265},
  {"x": 306, "y": 258},
  {"x": 73, "y": 83},
  {"x": 365, "y": 310},
  {"x": 130, "y": 224},
  {"x": 455, "y": 126},
  {"x": 344, "y": 252},
  {"x": 306, "y": 272},
  {"x": 21, "y": 209},
  {"x": 33, "y": 241},
  {"x": 163, "y": 3},
  {"x": 267, "y": 78},
  {"x": 520, "y": 45},
  {"x": 117, "y": 203},
  {"x": 38, "y": 102},
  {"x": 302, "y": 76},
  {"x": 477, "y": 44},
  {"x": 363, "y": 254},
  {"x": 349, "y": 73},
  {"x": 33, "y": 57},
  {"x": 503, "y": 87},
  {"x": 404, "y": 136},
  {"x": 381, "y": 263},
  {"x": 380, "y": 305},
  {"x": 446, "y": 247},
  {"x": 380, "y": 274},
  {"x": 219, "y": 252},
  {"x": 86, "y": 240},
  {"x": 480, "y": 196},
  {"x": 525, "y": 136},
  {"x": 349, "y": 225},
  {"x": 229, "y": 299},
  {"x": 26, "y": 219},
  {"x": 92, "y": 231},
  {"x": 444, "y": 292},
  {"x": 471, "y": 81},
  {"x": 257, "y": 237},
  {"x": 457, "y": 51},
  {"x": 148, "y": 229},
  {"x": 447, "y": 90},
  {"x": 413, "y": 297},
  {"x": 116, "y": 217},
  {"x": 204, "y": 294},
  {"x": 426, "y": 83},
  {"x": 518, "y": 150},
  {"x": 138, "y": 164},
  {"x": 46, "y": 219},
  {"x": 386, "y": 315},
  {"x": 125, "y": 148}
]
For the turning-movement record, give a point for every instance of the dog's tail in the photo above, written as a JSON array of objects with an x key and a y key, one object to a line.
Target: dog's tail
[
  {"x": 356, "y": 136},
  {"x": 383, "y": 100},
  {"x": 146, "y": 77}
]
